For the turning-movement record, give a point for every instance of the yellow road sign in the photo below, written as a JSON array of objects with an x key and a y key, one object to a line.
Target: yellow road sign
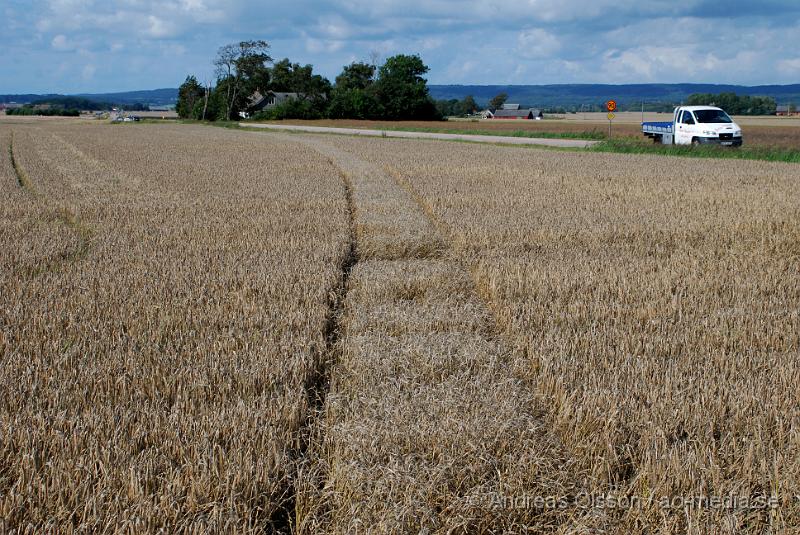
[{"x": 611, "y": 116}]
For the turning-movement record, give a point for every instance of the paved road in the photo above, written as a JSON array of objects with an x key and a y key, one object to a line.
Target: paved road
[{"x": 571, "y": 143}]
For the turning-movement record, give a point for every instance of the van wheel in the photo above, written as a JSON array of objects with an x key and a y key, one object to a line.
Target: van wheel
[{"x": 695, "y": 142}]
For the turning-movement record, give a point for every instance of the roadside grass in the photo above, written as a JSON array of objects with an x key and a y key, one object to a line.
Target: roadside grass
[
  {"x": 630, "y": 145},
  {"x": 622, "y": 145},
  {"x": 592, "y": 135}
]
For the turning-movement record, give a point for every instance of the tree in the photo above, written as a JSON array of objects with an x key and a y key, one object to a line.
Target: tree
[
  {"x": 402, "y": 91},
  {"x": 374, "y": 60},
  {"x": 354, "y": 104},
  {"x": 212, "y": 106},
  {"x": 353, "y": 97},
  {"x": 293, "y": 108},
  {"x": 189, "y": 94},
  {"x": 498, "y": 101},
  {"x": 449, "y": 108},
  {"x": 282, "y": 76},
  {"x": 356, "y": 76},
  {"x": 469, "y": 105},
  {"x": 735, "y": 104},
  {"x": 243, "y": 68},
  {"x": 295, "y": 78}
]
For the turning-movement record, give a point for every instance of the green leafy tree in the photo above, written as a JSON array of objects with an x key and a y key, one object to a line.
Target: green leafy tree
[
  {"x": 356, "y": 76},
  {"x": 293, "y": 108},
  {"x": 735, "y": 104},
  {"x": 189, "y": 94},
  {"x": 468, "y": 105},
  {"x": 402, "y": 91},
  {"x": 354, "y": 104},
  {"x": 353, "y": 96},
  {"x": 282, "y": 76},
  {"x": 497, "y": 101},
  {"x": 455, "y": 107},
  {"x": 295, "y": 78},
  {"x": 241, "y": 69},
  {"x": 449, "y": 108},
  {"x": 212, "y": 108}
]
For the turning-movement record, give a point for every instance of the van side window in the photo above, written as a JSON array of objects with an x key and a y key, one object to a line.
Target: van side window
[{"x": 687, "y": 117}]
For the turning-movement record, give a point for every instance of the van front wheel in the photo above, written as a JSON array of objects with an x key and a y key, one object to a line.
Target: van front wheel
[{"x": 695, "y": 142}]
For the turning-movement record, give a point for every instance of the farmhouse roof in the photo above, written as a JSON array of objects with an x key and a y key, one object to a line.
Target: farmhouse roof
[
  {"x": 258, "y": 97},
  {"x": 509, "y": 106},
  {"x": 782, "y": 109},
  {"x": 518, "y": 113}
]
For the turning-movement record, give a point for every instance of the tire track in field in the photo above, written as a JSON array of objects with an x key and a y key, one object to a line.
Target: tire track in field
[
  {"x": 118, "y": 178},
  {"x": 22, "y": 179},
  {"x": 62, "y": 214},
  {"x": 424, "y": 422},
  {"x": 317, "y": 383}
]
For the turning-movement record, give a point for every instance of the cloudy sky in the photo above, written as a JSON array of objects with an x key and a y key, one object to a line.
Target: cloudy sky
[{"x": 70, "y": 46}]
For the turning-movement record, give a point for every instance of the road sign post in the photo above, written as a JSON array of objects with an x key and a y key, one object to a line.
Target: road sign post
[{"x": 611, "y": 106}]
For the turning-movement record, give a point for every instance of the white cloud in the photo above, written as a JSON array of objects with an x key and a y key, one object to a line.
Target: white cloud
[
  {"x": 790, "y": 67},
  {"x": 537, "y": 44},
  {"x": 159, "y": 28},
  {"x": 322, "y": 46},
  {"x": 430, "y": 43},
  {"x": 61, "y": 43},
  {"x": 334, "y": 27},
  {"x": 470, "y": 41},
  {"x": 88, "y": 72}
]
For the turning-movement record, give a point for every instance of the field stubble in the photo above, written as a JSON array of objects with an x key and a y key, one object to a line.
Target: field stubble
[
  {"x": 159, "y": 380},
  {"x": 659, "y": 321},
  {"x": 425, "y": 422},
  {"x": 328, "y": 334}
]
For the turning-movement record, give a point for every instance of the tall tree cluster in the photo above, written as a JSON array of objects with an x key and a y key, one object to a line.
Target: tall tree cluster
[
  {"x": 735, "y": 104},
  {"x": 395, "y": 90},
  {"x": 454, "y": 107}
]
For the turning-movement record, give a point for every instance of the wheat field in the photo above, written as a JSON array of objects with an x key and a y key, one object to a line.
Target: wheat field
[
  {"x": 210, "y": 330},
  {"x": 163, "y": 311}
]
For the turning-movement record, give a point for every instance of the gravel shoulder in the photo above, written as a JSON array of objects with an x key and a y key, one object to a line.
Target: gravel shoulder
[{"x": 562, "y": 143}]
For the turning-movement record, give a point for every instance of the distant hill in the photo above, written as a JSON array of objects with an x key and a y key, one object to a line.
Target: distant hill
[
  {"x": 154, "y": 97},
  {"x": 157, "y": 97},
  {"x": 628, "y": 96}
]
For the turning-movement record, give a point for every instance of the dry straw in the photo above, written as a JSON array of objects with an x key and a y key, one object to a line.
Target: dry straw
[{"x": 204, "y": 330}]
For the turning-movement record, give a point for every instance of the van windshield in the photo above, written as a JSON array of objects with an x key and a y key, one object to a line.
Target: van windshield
[{"x": 712, "y": 116}]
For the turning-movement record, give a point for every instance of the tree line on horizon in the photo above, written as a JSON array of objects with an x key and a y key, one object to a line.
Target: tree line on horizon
[
  {"x": 68, "y": 106},
  {"x": 395, "y": 90},
  {"x": 735, "y": 104}
]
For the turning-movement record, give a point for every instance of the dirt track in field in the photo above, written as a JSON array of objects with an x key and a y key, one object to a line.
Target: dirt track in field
[{"x": 561, "y": 143}]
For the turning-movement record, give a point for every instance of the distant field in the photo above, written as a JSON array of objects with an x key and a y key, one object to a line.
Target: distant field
[
  {"x": 206, "y": 330},
  {"x": 761, "y": 132},
  {"x": 156, "y": 114},
  {"x": 636, "y": 118}
]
